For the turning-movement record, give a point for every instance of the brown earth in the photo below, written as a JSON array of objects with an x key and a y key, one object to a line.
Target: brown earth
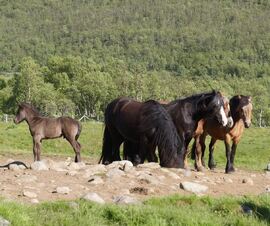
[{"x": 142, "y": 182}]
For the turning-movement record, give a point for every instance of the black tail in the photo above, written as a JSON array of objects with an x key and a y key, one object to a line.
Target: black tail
[
  {"x": 106, "y": 155},
  {"x": 193, "y": 151},
  {"x": 157, "y": 124}
]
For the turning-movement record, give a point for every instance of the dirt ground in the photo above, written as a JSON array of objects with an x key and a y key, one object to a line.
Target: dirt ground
[{"x": 142, "y": 182}]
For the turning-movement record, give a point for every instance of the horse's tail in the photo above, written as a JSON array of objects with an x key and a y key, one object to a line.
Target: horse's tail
[
  {"x": 79, "y": 131},
  {"x": 106, "y": 154},
  {"x": 157, "y": 124},
  {"x": 193, "y": 151}
]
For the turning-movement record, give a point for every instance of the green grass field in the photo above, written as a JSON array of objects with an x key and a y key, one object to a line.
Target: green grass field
[
  {"x": 253, "y": 152},
  {"x": 173, "y": 210}
]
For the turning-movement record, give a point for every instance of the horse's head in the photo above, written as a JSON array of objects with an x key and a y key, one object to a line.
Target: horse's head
[
  {"x": 242, "y": 108},
  {"x": 227, "y": 110},
  {"x": 213, "y": 105},
  {"x": 21, "y": 113}
]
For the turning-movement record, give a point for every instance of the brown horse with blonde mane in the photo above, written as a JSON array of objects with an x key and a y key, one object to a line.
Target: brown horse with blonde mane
[
  {"x": 47, "y": 128},
  {"x": 241, "y": 112}
]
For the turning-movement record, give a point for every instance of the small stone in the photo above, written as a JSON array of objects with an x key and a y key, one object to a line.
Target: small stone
[
  {"x": 74, "y": 205},
  {"x": 125, "y": 199},
  {"x": 149, "y": 165},
  {"x": 268, "y": 167},
  {"x": 27, "y": 178},
  {"x": 29, "y": 194},
  {"x": 39, "y": 165},
  {"x": 174, "y": 176},
  {"x": 76, "y": 165},
  {"x": 113, "y": 173},
  {"x": 34, "y": 201},
  {"x": 139, "y": 190},
  {"x": 4, "y": 222},
  {"x": 149, "y": 179},
  {"x": 62, "y": 190},
  {"x": 14, "y": 167},
  {"x": 247, "y": 181},
  {"x": 267, "y": 189},
  {"x": 94, "y": 197},
  {"x": 187, "y": 173},
  {"x": 96, "y": 180},
  {"x": 227, "y": 180},
  {"x": 193, "y": 187},
  {"x": 72, "y": 173},
  {"x": 247, "y": 210},
  {"x": 94, "y": 169}
]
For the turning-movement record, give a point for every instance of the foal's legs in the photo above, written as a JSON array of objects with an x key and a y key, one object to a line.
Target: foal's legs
[
  {"x": 76, "y": 147},
  {"x": 211, "y": 162},
  {"x": 229, "y": 167},
  {"x": 234, "y": 146},
  {"x": 198, "y": 154},
  {"x": 37, "y": 147}
]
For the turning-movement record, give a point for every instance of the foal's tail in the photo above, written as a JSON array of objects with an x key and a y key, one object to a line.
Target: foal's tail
[
  {"x": 158, "y": 125},
  {"x": 79, "y": 131}
]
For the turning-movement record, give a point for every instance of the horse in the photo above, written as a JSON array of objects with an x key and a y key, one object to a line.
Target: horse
[
  {"x": 196, "y": 147},
  {"x": 140, "y": 125},
  {"x": 241, "y": 112},
  {"x": 187, "y": 112},
  {"x": 48, "y": 128}
]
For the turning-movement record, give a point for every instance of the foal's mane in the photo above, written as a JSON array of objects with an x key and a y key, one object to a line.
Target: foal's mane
[{"x": 29, "y": 106}]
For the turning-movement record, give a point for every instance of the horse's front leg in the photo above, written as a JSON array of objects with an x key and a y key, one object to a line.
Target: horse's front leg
[
  {"x": 186, "y": 143},
  {"x": 211, "y": 161},
  {"x": 198, "y": 154},
  {"x": 36, "y": 147},
  {"x": 229, "y": 168},
  {"x": 234, "y": 146}
]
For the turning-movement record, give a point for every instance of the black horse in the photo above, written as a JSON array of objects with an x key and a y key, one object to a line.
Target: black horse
[
  {"x": 187, "y": 112},
  {"x": 140, "y": 126}
]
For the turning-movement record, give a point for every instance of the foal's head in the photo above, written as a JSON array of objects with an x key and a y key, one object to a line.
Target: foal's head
[
  {"x": 241, "y": 107},
  {"x": 25, "y": 111}
]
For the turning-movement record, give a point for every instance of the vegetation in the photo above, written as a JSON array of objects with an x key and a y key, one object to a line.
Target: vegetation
[
  {"x": 252, "y": 152},
  {"x": 73, "y": 57},
  {"x": 174, "y": 210}
]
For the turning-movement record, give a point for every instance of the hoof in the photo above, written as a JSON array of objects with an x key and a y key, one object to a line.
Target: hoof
[
  {"x": 200, "y": 168},
  {"x": 212, "y": 166},
  {"x": 230, "y": 170}
]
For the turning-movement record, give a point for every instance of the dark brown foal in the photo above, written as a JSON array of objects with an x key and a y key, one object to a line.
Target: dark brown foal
[{"x": 48, "y": 128}]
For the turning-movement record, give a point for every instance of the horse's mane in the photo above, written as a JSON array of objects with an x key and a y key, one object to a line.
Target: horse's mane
[
  {"x": 165, "y": 136},
  {"x": 31, "y": 107}
]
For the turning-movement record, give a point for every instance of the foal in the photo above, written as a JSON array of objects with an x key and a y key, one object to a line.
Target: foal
[
  {"x": 241, "y": 112},
  {"x": 47, "y": 128}
]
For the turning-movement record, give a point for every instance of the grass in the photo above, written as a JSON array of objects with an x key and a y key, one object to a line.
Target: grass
[
  {"x": 173, "y": 210},
  {"x": 252, "y": 152}
]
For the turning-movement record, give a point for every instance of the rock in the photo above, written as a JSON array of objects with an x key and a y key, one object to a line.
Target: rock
[
  {"x": 149, "y": 165},
  {"x": 29, "y": 194},
  {"x": 62, "y": 190},
  {"x": 174, "y": 175},
  {"x": 123, "y": 165},
  {"x": 125, "y": 199},
  {"x": 72, "y": 173},
  {"x": 113, "y": 173},
  {"x": 14, "y": 167},
  {"x": 96, "y": 180},
  {"x": 34, "y": 201},
  {"x": 26, "y": 178},
  {"x": 267, "y": 189},
  {"x": 76, "y": 165},
  {"x": 94, "y": 197},
  {"x": 39, "y": 165},
  {"x": 58, "y": 166},
  {"x": 95, "y": 169},
  {"x": 268, "y": 167},
  {"x": 247, "y": 210},
  {"x": 74, "y": 205},
  {"x": 139, "y": 190},
  {"x": 193, "y": 187},
  {"x": 4, "y": 222},
  {"x": 187, "y": 173},
  {"x": 227, "y": 180},
  {"x": 247, "y": 181},
  {"x": 149, "y": 179}
]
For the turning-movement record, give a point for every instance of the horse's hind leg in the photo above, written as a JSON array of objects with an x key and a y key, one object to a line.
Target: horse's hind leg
[{"x": 76, "y": 147}]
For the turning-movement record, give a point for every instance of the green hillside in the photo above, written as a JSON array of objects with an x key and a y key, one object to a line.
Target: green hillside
[{"x": 85, "y": 53}]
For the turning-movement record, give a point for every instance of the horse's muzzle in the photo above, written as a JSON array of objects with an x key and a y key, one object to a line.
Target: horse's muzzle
[{"x": 247, "y": 124}]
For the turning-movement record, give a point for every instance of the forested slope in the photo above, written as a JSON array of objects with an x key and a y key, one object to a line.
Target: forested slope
[{"x": 85, "y": 53}]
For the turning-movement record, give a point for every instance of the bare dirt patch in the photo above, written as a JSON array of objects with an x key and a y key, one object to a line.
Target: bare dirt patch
[{"x": 142, "y": 182}]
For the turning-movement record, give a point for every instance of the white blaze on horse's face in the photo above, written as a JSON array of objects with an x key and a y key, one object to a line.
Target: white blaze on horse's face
[{"x": 224, "y": 119}]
